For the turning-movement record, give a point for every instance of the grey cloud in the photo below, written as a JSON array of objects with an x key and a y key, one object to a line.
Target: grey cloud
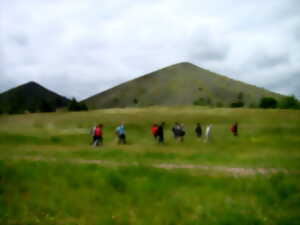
[
  {"x": 296, "y": 31},
  {"x": 6, "y": 82},
  {"x": 20, "y": 39},
  {"x": 288, "y": 84},
  {"x": 263, "y": 60},
  {"x": 79, "y": 48},
  {"x": 209, "y": 52}
]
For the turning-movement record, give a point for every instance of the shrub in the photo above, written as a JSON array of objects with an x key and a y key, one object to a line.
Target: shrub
[
  {"x": 289, "y": 102},
  {"x": 237, "y": 104},
  {"x": 202, "y": 101},
  {"x": 135, "y": 101},
  {"x": 268, "y": 102}
]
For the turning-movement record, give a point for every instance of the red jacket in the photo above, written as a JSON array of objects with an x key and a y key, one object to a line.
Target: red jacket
[
  {"x": 234, "y": 129},
  {"x": 98, "y": 131},
  {"x": 154, "y": 130}
]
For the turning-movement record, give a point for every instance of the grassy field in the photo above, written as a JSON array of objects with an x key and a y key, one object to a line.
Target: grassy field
[{"x": 49, "y": 173}]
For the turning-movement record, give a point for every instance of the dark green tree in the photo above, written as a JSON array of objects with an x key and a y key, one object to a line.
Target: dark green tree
[
  {"x": 200, "y": 101},
  {"x": 239, "y": 102},
  {"x": 73, "y": 106},
  {"x": 289, "y": 102},
  {"x": 77, "y": 106},
  {"x": 83, "y": 106},
  {"x": 268, "y": 103},
  {"x": 203, "y": 101}
]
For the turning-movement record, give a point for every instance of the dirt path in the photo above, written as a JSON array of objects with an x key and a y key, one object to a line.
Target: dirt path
[{"x": 235, "y": 171}]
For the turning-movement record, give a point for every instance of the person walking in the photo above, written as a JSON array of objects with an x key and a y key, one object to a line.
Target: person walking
[
  {"x": 182, "y": 133},
  {"x": 198, "y": 130},
  {"x": 92, "y": 133},
  {"x": 208, "y": 133},
  {"x": 98, "y": 138},
  {"x": 234, "y": 129},
  {"x": 176, "y": 129},
  {"x": 160, "y": 133},
  {"x": 154, "y": 130},
  {"x": 120, "y": 132}
]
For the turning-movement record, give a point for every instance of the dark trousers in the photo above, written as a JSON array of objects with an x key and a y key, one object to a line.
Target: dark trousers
[
  {"x": 98, "y": 140},
  {"x": 122, "y": 139},
  {"x": 161, "y": 139}
]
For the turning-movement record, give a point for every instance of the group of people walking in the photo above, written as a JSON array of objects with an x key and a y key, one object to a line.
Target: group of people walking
[
  {"x": 97, "y": 134},
  {"x": 158, "y": 132},
  {"x": 179, "y": 132}
]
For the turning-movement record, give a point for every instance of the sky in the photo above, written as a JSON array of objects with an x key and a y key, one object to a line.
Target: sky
[{"x": 79, "y": 48}]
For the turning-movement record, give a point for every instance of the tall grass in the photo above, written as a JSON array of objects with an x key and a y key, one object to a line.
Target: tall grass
[
  {"x": 65, "y": 193},
  {"x": 44, "y": 193},
  {"x": 267, "y": 138}
]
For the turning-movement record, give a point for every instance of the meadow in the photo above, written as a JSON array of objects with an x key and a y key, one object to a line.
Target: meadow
[{"x": 50, "y": 174}]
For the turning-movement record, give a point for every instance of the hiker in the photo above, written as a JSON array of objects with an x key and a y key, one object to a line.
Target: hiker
[
  {"x": 120, "y": 132},
  {"x": 160, "y": 133},
  {"x": 234, "y": 129},
  {"x": 182, "y": 132},
  {"x": 198, "y": 130},
  {"x": 208, "y": 133},
  {"x": 176, "y": 129},
  {"x": 98, "y": 139},
  {"x": 92, "y": 133},
  {"x": 154, "y": 130}
]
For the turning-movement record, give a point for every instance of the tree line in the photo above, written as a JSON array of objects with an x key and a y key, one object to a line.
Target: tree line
[
  {"x": 18, "y": 106},
  {"x": 288, "y": 102}
]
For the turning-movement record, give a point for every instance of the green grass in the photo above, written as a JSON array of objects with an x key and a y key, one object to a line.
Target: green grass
[
  {"x": 45, "y": 193},
  {"x": 268, "y": 138},
  {"x": 61, "y": 192}
]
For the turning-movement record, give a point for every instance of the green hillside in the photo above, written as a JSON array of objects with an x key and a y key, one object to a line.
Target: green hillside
[
  {"x": 179, "y": 84},
  {"x": 30, "y": 96}
]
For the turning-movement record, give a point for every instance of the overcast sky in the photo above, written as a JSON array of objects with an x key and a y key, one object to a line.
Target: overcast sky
[{"x": 81, "y": 47}]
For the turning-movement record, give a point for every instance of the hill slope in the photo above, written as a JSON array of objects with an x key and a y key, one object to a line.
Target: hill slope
[
  {"x": 179, "y": 84},
  {"x": 29, "y": 96}
]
